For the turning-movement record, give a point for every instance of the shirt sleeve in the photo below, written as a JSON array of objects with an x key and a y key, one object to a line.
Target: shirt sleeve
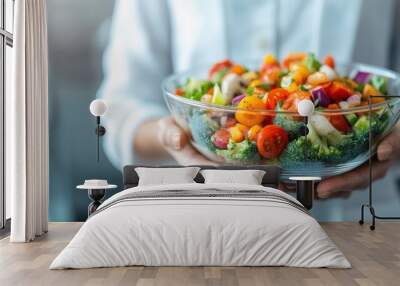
[{"x": 135, "y": 62}]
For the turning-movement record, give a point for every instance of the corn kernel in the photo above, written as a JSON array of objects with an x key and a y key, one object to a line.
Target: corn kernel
[
  {"x": 236, "y": 134},
  {"x": 250, "y": 76},
  {"x": 242, "y": 128},
  {"x": 255, "y": 82},
  {"x": 253, "y": 132},
  {"x": 292, "y": 87},
  {"x": 270, "y": 59}
]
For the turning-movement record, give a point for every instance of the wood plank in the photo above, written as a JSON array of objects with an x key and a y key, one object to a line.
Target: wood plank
[{"x": 375, "y": 257}]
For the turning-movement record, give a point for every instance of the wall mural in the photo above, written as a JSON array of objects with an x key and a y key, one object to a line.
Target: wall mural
[{"x": 272, "y": 107}]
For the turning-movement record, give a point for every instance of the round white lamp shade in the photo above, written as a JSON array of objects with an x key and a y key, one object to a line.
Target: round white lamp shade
[
  {"x": 305, "y": 107},
  {"x": 98, "y": 107}
]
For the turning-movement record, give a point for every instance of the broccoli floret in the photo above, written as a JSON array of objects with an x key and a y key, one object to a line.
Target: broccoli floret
[
  {"x": 329, "y": 154},
  {"x": 333, "y": 147},
  {"x": 320, "y": 150},
  {"x": 242, "y": 151},
  {"x": 203, "y": 127},
  {"x": 360, "y": 138},
  {"x": 358, "y": 142},
  {"x": 309, "y": 148},
  {"x": 293, "y": 128},
  {"x": 379, "y": 123},
  {"x": 327, "y": 131},
  {"x": 295, "y": 153},
  {"x": 362, "y": 125},
  {"x": 196, "y": 88},
  {"x": 361, "y": 132}
]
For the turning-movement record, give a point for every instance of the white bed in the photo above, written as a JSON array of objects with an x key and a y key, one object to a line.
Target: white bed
[{"x": 201, "y": 224}]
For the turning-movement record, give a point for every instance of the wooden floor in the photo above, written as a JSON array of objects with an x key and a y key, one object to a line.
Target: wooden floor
[{"x": 375, "y": 257}]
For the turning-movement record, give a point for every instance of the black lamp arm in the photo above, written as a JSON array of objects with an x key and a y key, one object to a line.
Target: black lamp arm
[{"x": 100, "y": 131}]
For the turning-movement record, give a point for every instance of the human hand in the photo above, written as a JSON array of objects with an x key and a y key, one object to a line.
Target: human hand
[
  {"x": 343, "y": 185},
  {"x": 176, "y": 142}
]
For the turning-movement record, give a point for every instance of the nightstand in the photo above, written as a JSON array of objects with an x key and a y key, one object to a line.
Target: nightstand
[
  {"x": 96, "y": 191},
  {"x": 305, "y": 187}
]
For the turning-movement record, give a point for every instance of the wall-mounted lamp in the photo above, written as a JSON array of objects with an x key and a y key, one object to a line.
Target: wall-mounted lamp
[
  {"x": 98, "y": 108},
  {"x": 305, "y": 186}
]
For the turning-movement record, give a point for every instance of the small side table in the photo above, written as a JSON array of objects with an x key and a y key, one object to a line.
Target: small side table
[
  {"x": 305, "y": 190},
  {"x": 96, "y": 191}
]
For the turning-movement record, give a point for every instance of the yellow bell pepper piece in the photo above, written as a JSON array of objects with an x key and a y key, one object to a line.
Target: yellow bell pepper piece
[{"x": 370, "y": 91}]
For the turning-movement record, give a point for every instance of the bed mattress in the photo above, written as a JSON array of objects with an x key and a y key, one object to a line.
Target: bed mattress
[{"x": 201, "y": 225}]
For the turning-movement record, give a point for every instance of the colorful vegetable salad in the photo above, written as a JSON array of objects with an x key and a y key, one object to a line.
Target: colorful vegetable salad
[{"x": 266, "y": 125}]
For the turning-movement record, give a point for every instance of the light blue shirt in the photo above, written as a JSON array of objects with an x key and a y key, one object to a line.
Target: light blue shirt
[{"x": 154, "y": 38}]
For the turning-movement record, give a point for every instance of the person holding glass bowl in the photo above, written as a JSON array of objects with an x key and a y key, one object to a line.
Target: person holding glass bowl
[{"x": 152, "y": 39}]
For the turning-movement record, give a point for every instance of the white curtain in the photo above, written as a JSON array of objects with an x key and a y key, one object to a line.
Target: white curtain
[{"x": 27, "y": 151}]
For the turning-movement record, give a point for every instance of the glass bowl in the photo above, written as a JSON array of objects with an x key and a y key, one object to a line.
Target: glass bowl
[{"x": 202, "y": 120}]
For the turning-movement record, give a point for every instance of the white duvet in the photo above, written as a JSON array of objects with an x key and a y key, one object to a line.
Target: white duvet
[{"x": 207, "y": 230}]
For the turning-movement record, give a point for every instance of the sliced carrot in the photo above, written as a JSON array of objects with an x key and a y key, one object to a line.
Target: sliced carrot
[
  {"x": 238, "y": 69},
  {"x": 329, "y": 61},
  {"x": 293, "y": 58}
]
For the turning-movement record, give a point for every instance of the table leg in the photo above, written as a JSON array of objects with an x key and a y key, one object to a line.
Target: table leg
[
  {"x": 96, "y": 196},
  {"x": 305, "y": 193}
]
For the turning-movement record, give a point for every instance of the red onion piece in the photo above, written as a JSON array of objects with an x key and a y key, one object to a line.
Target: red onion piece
[
  {"x": 320, "y": 95},
  {"x": 362, "y": 77},
  {"x": 237, "y": 99}
]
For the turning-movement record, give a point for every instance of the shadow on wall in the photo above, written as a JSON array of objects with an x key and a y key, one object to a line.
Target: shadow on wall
[{"x": 77, "y": 35}]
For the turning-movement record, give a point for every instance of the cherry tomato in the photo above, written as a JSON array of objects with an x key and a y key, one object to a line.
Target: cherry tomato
[
  {"x": 291, "y": 102},
  {"x": 325, "y": 86},
  {"x": 268, "y": 66},
  {"x": 293, "y": 58},
  {"x": 338, "y": 91},
  {"x": 219, "y": 66},
  {"x": 179, "y": 92},
  {"x": 270, "y": 62},
  {"x": 250, "y": 118},
  {"x": 230, "y": 122},
  {"x": 329, "y": 61},
  {"x": 221, "y": 138},
  {"x": 271, "y": 74},
  {"x": 271, "y": 141},
  {"x": 338, "y": 121},
  {"x": 275, "y": 96}
]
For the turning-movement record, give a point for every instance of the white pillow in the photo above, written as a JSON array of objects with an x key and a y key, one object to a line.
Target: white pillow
[
  {"x": 164, "y": 176},
  {"x": 247, "y": 177}
]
